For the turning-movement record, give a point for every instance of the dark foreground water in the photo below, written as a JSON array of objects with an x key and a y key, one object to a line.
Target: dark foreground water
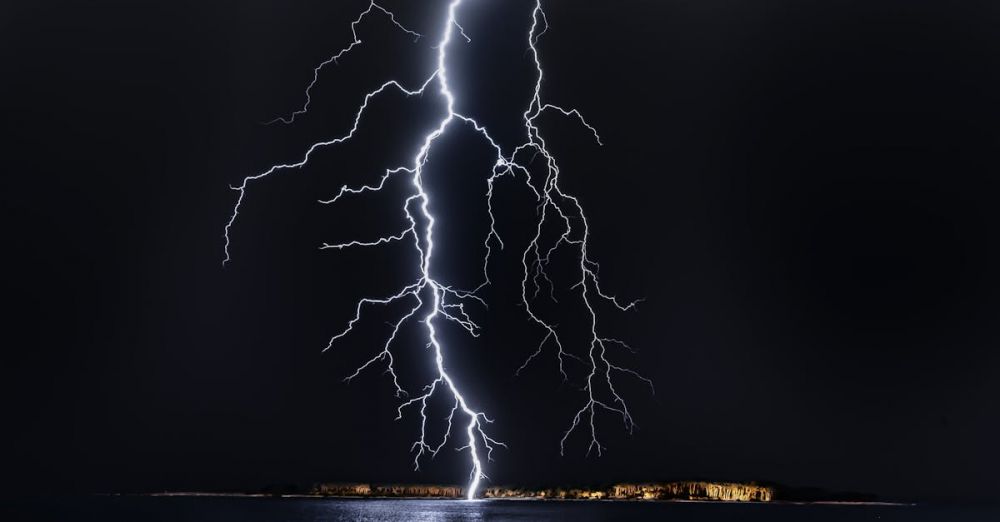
[{"x": 226, "y": 509}]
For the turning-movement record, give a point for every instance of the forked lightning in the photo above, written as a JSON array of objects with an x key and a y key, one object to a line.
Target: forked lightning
[{"x": 432, "y": 299}]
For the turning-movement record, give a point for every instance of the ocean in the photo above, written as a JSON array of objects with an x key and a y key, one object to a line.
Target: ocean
[{"x": 254, "y": 509}]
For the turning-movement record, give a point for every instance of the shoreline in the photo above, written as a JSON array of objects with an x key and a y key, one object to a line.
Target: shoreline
[{"x": 191, "y": 494}]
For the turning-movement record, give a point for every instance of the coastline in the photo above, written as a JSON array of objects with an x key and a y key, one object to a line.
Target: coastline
[{"x": 183, "y": 494}]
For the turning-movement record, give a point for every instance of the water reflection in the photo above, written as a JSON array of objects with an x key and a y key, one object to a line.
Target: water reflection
[
  {"x": 408, "y": 510},
  {"x": 244, "y": 509}
]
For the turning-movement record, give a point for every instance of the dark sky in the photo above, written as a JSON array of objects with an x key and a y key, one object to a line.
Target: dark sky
[{"x": 804, "y": 193}]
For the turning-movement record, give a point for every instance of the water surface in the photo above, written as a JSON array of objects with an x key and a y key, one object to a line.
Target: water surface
[{"x": 244, "y": 509}]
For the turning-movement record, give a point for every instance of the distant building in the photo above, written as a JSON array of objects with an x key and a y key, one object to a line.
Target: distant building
[
  {"x": 694, "y": 490},
  {"x": 417, "y": 490},
  {"x": 342, "y": 490},
  {"x": 387, "y": 490},
  {"x": 643, "y": 491}
]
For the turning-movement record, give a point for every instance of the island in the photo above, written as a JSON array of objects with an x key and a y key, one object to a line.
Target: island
[
  {"x": 669, "y": 491},
  {"x": 686, "y": 490}
]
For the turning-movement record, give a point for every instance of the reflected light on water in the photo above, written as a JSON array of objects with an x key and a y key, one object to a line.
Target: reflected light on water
[{"x": 409, "y": 510}]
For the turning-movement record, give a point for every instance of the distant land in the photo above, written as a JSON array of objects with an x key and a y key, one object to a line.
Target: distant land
[{"x": 688, "y": 490}]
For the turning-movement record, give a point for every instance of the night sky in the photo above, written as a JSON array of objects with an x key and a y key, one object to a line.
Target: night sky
[{"x": 803, "y": 192}]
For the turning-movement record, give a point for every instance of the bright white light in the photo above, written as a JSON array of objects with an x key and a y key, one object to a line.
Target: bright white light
[{"x": 448, "y": 303}]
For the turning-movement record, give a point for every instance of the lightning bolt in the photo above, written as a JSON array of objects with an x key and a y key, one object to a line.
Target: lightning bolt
[{"x": 432, "y": 300}]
